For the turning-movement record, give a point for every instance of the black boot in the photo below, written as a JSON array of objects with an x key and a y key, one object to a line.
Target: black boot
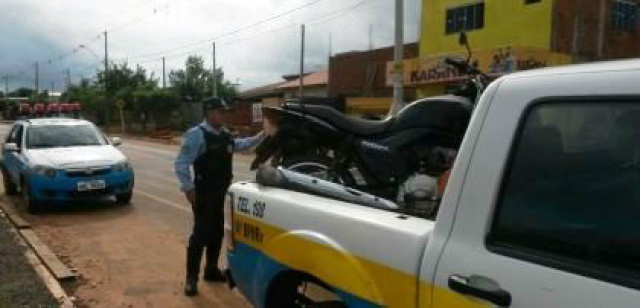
[
  {"x": 191, "y": 286},
  {"x": 214, "y": 275},
  {"x": 194, "y": 255},
  {"x": 211, "y": 271}
]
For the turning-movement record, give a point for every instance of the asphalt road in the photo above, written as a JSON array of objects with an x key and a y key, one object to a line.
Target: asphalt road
[{"x": 132, "y": 256}]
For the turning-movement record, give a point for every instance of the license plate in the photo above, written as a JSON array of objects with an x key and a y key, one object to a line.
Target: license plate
[{"x": 91, "y": 185}]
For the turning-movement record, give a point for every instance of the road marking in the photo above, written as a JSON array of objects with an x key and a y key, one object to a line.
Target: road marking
[{"x": 162, "y": 200}]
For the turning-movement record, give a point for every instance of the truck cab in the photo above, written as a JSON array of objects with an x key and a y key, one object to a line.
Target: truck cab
[{"x": 541, "y": 210}]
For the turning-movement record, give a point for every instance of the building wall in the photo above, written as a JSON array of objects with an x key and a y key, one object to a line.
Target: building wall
[
  {"x": 309, "y": 91},
  {"x": 576, "y": 28},
  {"x": 506, "y": 23},
  {"x": 363, "y": 73}
]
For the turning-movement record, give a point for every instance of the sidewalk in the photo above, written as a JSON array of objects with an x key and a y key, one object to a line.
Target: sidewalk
[{"x": 20, "y": 285}]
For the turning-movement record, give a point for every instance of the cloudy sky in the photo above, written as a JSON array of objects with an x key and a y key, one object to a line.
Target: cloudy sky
[{"x": 257, "y": 40}]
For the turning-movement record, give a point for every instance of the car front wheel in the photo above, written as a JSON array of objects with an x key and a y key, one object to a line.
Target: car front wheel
[
  {"x": 32, "y": 205},
  {"x": 124, "y": 199},
  {"x": 9, "y": 187}
]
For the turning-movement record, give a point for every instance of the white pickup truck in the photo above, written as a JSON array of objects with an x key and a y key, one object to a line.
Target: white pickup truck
[{"x": 542, "y": 210}]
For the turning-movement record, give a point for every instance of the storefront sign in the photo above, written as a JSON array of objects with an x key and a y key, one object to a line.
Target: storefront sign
[
  {"x": 257, "y": 112},
  {"x": 495, "y": 62}
]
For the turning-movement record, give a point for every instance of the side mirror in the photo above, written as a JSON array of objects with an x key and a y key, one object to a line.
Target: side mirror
[
  {"x": 462, "y": 39},
  {"x": 116, "y": 141},
  {"x": 11, "y": 147}
]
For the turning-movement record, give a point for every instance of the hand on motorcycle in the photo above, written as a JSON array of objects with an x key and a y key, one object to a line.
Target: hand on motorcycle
[{"x": 269, "y": 127}]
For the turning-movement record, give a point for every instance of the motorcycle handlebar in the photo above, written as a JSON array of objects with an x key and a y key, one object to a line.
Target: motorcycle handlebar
[{"x": 460, "y": 65}]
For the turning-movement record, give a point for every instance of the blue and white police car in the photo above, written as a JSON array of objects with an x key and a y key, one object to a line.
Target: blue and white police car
[{"x": 58, "y": 160}]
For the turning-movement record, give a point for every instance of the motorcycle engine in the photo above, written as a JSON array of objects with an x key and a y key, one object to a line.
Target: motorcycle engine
[{"x": 419, "y": 195}]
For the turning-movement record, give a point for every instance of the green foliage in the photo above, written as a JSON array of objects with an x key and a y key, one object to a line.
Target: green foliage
[
  {"x": 139, "y": 89},
  {"x": 22, "y": 92},
  {"x": 86, "y": 92},
  {"x": 155, "y": 101},
  {"x": 195, "y": 82}
]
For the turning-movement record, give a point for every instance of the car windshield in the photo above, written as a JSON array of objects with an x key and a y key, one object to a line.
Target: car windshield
[{"x": 54, "y": 136}]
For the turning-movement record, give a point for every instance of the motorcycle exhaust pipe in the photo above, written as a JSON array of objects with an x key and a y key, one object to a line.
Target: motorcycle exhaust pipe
[{"x": 287, "y": 179}]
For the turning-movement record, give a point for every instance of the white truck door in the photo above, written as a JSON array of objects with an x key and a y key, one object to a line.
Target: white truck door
[{"x": 561, "y": 182}]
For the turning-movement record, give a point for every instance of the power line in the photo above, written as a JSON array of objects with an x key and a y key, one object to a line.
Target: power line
[
  {"x": 321, "y": 19},
  {"x": 229, "y": 33},
  {"x": 100, "y": 35}
]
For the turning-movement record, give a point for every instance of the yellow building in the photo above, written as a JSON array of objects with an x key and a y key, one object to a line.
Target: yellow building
[{"x": 505, "y": 35}]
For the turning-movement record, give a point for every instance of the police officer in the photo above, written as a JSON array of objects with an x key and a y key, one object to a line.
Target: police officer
[{"x": 209, "y": 148}]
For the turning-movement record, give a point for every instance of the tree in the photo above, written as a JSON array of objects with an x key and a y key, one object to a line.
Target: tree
[
  {"x": 86, "y": 92},
  {"x": 158, "y": 103},
  {"x": 122, "y": 81},
  {"x": 22, "y": 92},
  {"x": 194, "y": 82}
]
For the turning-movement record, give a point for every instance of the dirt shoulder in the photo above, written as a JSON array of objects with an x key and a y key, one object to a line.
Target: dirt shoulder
[{"x": 20, "y": 285}]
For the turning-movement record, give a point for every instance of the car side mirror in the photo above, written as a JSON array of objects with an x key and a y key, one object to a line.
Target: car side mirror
[
  {"x": 116, "y": 141},
  {"x": 11, "y": 147}
]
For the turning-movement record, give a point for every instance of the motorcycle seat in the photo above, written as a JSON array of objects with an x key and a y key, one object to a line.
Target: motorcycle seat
[{"x": 360, "y": 127}]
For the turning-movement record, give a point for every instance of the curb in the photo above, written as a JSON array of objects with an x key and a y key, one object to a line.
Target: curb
[{"x": 52, "y": 284}]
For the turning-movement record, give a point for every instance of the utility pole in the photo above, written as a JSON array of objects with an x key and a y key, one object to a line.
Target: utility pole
[
  {"x": 37, "y": 78},
  {"x": 105, "y": 104},
  {"x": 601, "y": 28},
  {"x": 301, "y": 89},
  {"x": 51, "y": 88},
  {"x": 6, "y": 85},
  {"x": 370, "y": 37},
  {"x": 164, "y": 82},
  {"x": 214, "y": 76},
  {"x": 329, "y": 52},
  {"x": 398, "y": 71},
  {"x": 68, "y": 78}
]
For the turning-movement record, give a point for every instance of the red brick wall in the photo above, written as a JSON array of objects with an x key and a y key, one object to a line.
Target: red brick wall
[
  {"x": 617, "y": 44},
  {"x": 348, "y": 72}
]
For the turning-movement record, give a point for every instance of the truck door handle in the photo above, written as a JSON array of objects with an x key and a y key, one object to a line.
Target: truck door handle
[{"x": 480, "y": 287}]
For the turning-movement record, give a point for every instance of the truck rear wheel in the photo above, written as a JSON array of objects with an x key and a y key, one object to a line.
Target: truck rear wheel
[{"x": 302, "y": 291}]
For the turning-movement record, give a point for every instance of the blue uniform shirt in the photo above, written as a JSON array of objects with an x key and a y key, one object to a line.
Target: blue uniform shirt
[{"x": 193, "y": 145}]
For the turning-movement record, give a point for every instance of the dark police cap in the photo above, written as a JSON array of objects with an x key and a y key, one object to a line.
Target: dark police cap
[{"x": 214, "y": 103}]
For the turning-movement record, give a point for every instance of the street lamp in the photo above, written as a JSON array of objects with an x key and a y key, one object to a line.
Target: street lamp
[{"x": 85, "y": 47}]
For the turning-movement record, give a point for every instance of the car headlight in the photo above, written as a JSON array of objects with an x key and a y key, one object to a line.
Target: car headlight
[
  {"x": 122, "y": 166},
  {"x": 45, "y": 171}
]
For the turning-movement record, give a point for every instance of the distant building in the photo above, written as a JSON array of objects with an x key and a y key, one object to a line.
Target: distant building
[
  {"x": 314, "y": 85},
  {"x": 514, "y": 35},
  {"x": 360, "y": 77},
  {"x": 268, "y": 95}
]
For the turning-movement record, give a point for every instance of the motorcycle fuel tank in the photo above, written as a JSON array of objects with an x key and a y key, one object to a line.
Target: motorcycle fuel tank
[{"x": 447, "y": 114}]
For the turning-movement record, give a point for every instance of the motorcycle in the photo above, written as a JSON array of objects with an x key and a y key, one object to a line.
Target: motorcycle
[{"x": 400, "y": 158}]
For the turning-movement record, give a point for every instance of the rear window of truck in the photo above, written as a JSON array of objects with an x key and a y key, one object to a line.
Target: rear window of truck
[{"x": 571, "y": 193}]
